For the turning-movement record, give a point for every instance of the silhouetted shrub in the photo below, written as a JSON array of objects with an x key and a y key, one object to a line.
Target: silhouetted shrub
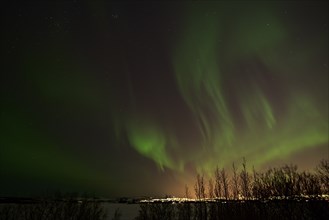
[
  {"x": 237, "y": 210},
  {"x": 59, "y": 209}
]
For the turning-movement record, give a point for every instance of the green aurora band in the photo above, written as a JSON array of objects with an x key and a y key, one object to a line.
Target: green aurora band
[
  {"x": 82, "y": 111},
  {"x": 267, "y": 129}
]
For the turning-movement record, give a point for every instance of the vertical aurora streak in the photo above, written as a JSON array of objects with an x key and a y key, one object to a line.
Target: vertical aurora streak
[{"x": 266, "y": 126}]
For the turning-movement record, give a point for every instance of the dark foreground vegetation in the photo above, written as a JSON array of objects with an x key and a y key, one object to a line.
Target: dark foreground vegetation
[
  {"x": 247, "y": 209},
  {"x": 53, "y": 209},
  {"x": 277, "y": 193}
]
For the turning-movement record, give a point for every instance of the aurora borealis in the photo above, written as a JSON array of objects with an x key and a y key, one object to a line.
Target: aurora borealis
[{"x": 131, "y": 99}]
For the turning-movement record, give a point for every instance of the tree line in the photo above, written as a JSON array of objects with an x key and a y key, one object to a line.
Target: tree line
[
  {"x": 276, "y": 193},
  {"x": 282, "y": 182}
]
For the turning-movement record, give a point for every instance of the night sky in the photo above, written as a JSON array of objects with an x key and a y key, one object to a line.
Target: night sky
[{"x": 133, "y": 99}]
